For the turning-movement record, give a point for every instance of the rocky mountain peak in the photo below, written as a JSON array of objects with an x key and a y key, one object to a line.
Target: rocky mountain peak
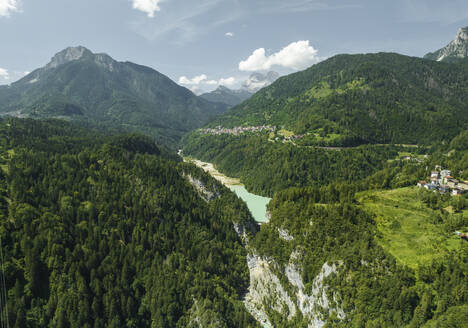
[
  {"x": 462, "y": 36},
  {"x": 257, "y": 80},
  {"x": 456, "y": 49},
  {"x": 67, "y": 55},
  {"x": 77, "y": 53},
  {"x": 222, "y": 88}
]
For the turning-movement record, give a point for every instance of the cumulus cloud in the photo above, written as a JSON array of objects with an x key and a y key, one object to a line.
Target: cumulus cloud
[
  {"x": 297, "y": 55},
  {"x": 146, "y": 6},
  {"x": 4, "y": 74},
  {"x": 229, "y": 82},
  {"x": 8, "y": 6},
  {"x": 193, "y": 81},
  {"x": 229, "y": 34},
  {"x": 196, "y": 83}
]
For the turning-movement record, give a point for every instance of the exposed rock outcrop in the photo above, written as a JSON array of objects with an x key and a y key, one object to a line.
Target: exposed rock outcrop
[
  {"x": 203, "y": 191},
  {"x": 314, "y": 305},
  {"x": 284, "y": 234},
  {"x": 456, "y": 49},
  {"x": 265, "y": 288},
  {"x": 266, "y": 292}
]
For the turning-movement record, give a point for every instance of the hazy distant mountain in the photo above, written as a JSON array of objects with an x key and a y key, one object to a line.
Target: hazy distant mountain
[
  {"x": 257, "y": 81},
  {"x": 94, "y": 88},
  {"x": 227, "y": 96},
  {"x": 455, "y": 50}
]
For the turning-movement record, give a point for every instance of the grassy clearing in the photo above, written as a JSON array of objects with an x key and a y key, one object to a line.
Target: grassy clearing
[
  {"x": 405, "y": 226},
  {"x": 328, "y": 138},
  {"x": 321, "y": 90},
  {"x": 4, "y": 158},
  {"x": 403, "y": 154},
  {"x": 285, "y": 133}
]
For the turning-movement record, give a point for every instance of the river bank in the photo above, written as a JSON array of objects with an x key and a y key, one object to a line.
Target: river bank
[{"x": 256, "y": 204}]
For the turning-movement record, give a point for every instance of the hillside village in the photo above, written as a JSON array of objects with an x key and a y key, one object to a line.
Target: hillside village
[
  {"x": 237, "y": 130},
  {"x": 442, "y": 180}
]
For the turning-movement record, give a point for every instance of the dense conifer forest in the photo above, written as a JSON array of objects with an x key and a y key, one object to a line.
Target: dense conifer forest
[
  {"x": 106, "y": 231},
  {"x": 266, "y": 167}
]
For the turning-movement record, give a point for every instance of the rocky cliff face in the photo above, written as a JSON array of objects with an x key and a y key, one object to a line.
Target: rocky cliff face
[
  {"x": 455, "y": 50},
  {"x": 275, "y": 289}
]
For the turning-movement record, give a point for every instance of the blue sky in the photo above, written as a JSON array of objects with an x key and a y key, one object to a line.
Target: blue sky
[{"x": 202, "y": 43}]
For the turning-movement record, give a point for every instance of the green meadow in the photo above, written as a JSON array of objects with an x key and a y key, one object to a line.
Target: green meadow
[{"x": 407, "y": 228}]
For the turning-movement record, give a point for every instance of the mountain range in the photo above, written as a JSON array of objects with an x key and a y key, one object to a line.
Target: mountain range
[
  {"x": 227, "y": 96},
  {"x": 79, "y": 85},
  {"x": 373, "y": 97},
  {"x": 254, "y": 83}
]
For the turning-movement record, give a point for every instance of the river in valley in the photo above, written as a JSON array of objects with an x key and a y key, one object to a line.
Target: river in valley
[{"x": 256, "y": 204}]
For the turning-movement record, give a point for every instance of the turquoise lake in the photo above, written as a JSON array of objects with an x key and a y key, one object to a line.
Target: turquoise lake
[{"x": 256, "y": 204}]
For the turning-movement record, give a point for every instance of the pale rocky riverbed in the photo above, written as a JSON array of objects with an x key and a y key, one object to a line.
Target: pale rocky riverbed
[{"x": 256, "y": 204}]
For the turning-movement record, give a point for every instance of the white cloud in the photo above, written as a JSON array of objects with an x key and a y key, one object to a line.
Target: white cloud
[
  {"x": 8, "y": 6},
  {"x": 147, "y": 6},
  {"x": 4, "y": 74},
  {"x": 297, "y": 55},
  {"x": 187, "y": 21},
  {"x": 229, "y": 34},
  {"x": 229, "y": 82},
  {"x": 196, "y": 83}
]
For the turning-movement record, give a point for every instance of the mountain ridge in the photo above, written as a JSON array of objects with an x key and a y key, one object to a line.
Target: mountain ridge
[
  {"x": 227, "y": 96},
  {"x": 79, "y": 85},
  {"x": 375, "y": 98}
]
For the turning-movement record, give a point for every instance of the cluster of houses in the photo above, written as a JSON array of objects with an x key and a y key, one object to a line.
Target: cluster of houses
[
  {"x": 441, "y": 180},
  {"x": 414, "y": 159},
  {"x": 238, "y": 130},
  {"x": 294, "y": 137}
]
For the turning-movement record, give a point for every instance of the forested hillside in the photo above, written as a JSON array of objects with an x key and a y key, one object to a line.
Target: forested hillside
[
  {"x": 111, "y": 231},
  {"x": 371, "y": 98},
  {"x": 351, "y": 241},
  {"x": 377, "y": 252},
  {"x": 325, "y": 248},
  {"x": 267, "y": 167}
]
